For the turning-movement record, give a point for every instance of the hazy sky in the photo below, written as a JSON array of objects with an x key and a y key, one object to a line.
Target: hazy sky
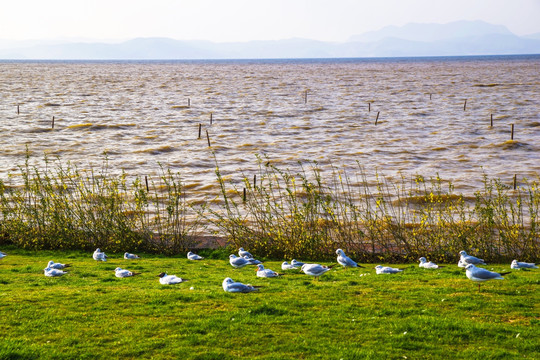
[{"x": 243, "y": 20}]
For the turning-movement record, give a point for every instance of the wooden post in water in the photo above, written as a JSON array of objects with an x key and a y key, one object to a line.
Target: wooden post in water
[
  {"x": 244, "y": 197},
  {"x": 377, "y": 119},
  {"x": 146, "y": 182},
  {"x": 200, "y": 127},
  {"x": 369, "y": 107},
  {"x": 515, "y": 181},
  {"x": 208, "y": 138},
  {"x": 512, "y": 134},
  {"x": 210, "y": 118},
  {"x": 254, "y": 181},
  {"x": 465, "y": 105},
  {"x": 305, "y": 97},
  {"x": 18, "y": 109},
  {"x": 491, "y": 123},
  {"x": 188, "y": 102},
  {"x": 52, "y": 126},
  {"x": 429, "y": 96}
]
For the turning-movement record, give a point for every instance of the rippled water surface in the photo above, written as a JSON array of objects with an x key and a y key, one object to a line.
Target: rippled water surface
[{"x": 138, "y": 114}]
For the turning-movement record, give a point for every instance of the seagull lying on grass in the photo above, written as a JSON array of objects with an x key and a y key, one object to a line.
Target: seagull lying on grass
[
  {"x": 129, "y": 256},
  {"x": 237, "y": 262},
  {"x": 344, "y": 260},
  {"x": 469, "y": 259},
  {"x": 296, "y": 263},
  {"x": 193, "y": 256},
  {"x": 57, "y": 266},
  {"x": 428, "y": 264},
  {"x": 262, "y": 272},
  {"x": 315, "y": 270},
  {"x": 243, "y": 253},
  {"x": 286, "y": 266},
  {"x": 379, "y": 269},
  {"x": 122, "y": 273},
  {"x": 165, "y": 279},
  {"x": 478, "y": 274},
  {"x": 99, "y": 255},
  {"x": 522, "y": 265},
  {"x": 252, "y": 261},
  {"x": 53, "y": 272},
  {"x": 229, "y": 285},
  {"x": 2, "y": 255}
]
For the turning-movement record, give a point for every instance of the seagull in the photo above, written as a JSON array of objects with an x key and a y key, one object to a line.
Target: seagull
[
  {"x": 286, "y": 266},
  {"x": 315, "y": 269},
  {"x": 379, "y": 269},
  {"x": 57, "y": 266},
  {"x": 518, "y": 265},
  {"x": 243, "y": 253},
  {"x": 344, "y": 260},
  {"x": 2, "y": 255},
  {"x": 461, "y": 263},
  {"x": 252, "y": 261},
  {"x": 165, "y": 279},
  {"x": 296, "y": 263},
  {"x": 53, "y": 272},
  {"x": 237, "y": 262},
  {"x": 469, "y": 259},
  {"x": 428, "y": 264},
  {"x": 193, "y": 256},
  {"x": 122, "y": 273},
  {"x": 229, "y": 285},
  {"x": 99, "y": 255},
  {"x": 478, "y": 274},
  {"x": 129, "y": 256},
  {"x": 262, "y": 272}
]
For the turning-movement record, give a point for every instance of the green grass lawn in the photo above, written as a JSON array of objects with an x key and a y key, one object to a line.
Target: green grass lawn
[{"x": 418, "y": 314}]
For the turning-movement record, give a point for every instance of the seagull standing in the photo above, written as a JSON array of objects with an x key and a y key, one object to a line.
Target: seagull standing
[
  {"x": 122, "y": 273},
  {"x": 478, "y": 274},
  {"x": 229, "y": 285},
  {"x": 53, "y": 272},
  {"x": 379, "y": 269},
  {"x": 344, "y": 260},
  {"x": 315, "y": 270},
  {"x": 129, "y": 256},
  {"x": 244, "y": 253},
  {"x": 57, "y": 266},
  {"x": 262, "y": 272},
  {"x": 165, "y": 279},
  {"x": 469, "y": 259},
  {"x": 237, "y": 262},
  {"x": 99, "y": 255},
  {"x": 193, "y": 256},
  {"x": 427, "y": 264},
  {"x": 518, "y": 265}
]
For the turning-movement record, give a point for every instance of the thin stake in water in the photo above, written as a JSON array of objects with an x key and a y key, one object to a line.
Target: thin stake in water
[
  {"x": 208, "y": 138},
  {"x": 188, "y": 102},
  {"x": 18, "y": 110},
  {"x": 491, "y": 123},
  {"x": 512, "y": 134},
  {"x": 244, "y": 197},
  {"x": 210, "y": 118},
  {"x": 515, "y": 181},
  {"x": 305, "y": 97},
  {"x": 146, "y": 182},
  {"x": 52, "y": 126},
  {"x": 254, "y": 181},
  {"x": 200, "y": 128},
  {"x": 465, "y": 105},
  {"x": 369, "y": 107},
  {"x": 377, "y": 119}
]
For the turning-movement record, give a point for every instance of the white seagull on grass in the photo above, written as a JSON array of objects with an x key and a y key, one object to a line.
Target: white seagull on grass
[
  {"x": 315, "y": 270},
  {"x": 123, "y": 273},
  {"x": 296, "y": 263},
  {"x": 53, "y": 272},
  {"x": 428, "y": 264},
  {"x": 469, "y": 259},
  {"x": 99, "y": 255},
  {"x": 193, "y": 256},
  {"x": 238, "y": 262},
  {"x": 229, "y": 285},
  {"x": 262, "y": 272},
  {"x": 478, "y": 274},
  {"x": 2, "y": 255},
  {"x": 243, "y": 253},
  {"x": 379, "y": 269},
  {"x": 522, "y": 265},
  {"x": 129, "y": 256},
  {"x": 286, "y": 266},
  {"x": 165, "y": 279},
  {"x": 344, "y": 260},
  {"x": 57, "y": 266}
]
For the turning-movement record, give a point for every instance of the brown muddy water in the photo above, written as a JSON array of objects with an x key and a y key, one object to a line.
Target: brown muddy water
[{"x": 137, "y": 113}]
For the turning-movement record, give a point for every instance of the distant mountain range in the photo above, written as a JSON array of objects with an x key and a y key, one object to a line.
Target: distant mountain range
[{"x": 452, "y": 39}]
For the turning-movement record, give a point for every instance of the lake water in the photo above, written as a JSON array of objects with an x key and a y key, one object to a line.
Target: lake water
[{"x": 137, "y": 113}]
